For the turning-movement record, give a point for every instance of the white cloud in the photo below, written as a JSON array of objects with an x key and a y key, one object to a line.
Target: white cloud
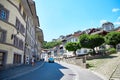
[
  {"x": 115, "y": 9},
  {"x": 117, "y": 23},
  {"x": 102, "y": 21},
  {"x": 118, "y": 19}
]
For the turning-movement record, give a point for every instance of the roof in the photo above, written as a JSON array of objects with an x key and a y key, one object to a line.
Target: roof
[{"x": 99, "y": 32}]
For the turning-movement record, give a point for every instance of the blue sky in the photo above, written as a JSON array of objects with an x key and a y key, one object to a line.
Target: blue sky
[{"x": 63, "y": 17}]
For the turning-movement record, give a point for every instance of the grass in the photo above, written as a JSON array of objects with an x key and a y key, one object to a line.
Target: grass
[{"x": 95, "y": 63}]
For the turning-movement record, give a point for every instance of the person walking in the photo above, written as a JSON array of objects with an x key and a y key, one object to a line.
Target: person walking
[
  {"x": 33, "y": 61},
  {"x": 27, "y": 60}
]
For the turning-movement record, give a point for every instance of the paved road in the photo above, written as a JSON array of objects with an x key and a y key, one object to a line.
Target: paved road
[
  {"x": 55, "y": 71},
  {"x": 84, "y": 74},
  {"x": 14, "y": 72},
  {"x": 50, "y": 71}
]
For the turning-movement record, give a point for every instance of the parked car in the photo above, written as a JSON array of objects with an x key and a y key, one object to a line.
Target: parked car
[{"x": 51, "y": 60}]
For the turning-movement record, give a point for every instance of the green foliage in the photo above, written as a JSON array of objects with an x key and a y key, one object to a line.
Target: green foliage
[
  {"x": 112, "y": 38},
  {"x": 84, "y": 41},
  {"x": 91, "y": 41},
  {"x": 111, "y": 50},
  {"x": 72, "y": 46},
  {"x": 96, "y": 40},
  {"x": 90, "y": 65},
  {"x": 48, "y": 45}
]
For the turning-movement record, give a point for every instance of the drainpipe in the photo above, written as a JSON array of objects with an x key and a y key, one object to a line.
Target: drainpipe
[{"x": 25, "y": 42}]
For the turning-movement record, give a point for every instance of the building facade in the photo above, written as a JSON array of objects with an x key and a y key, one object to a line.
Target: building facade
[
  {"x": 39, "y": 39},
  {"x": 108, "y": 26},
  {"x": 17, "y": 31},
  {"x": 13, "y": 26}
]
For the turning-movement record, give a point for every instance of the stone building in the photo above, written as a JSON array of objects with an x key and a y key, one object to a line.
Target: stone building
[
  {"x": 39, "y": 40},
  {"x": 17, "y": 32}
]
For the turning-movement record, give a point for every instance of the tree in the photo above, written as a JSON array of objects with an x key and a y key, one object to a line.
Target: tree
[
  {"x": 84, "y": 41},
  {"x": 48, "y": 45},
  {"x": 112, "y": 38},
  {"x": 72, "y": 46},
  {"x": 91, "y": 41}
]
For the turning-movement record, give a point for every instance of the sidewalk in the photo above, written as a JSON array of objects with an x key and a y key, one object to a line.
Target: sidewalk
[
  {"x": 11, "y": 73},
  {"x": 116, "y": 73},
  {"x": 110, "y": 67}
]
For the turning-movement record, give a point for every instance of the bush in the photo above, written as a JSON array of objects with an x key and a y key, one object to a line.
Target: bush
[
  {"x": 112, "y": 50},
  {"x": 89, "y": 65}
]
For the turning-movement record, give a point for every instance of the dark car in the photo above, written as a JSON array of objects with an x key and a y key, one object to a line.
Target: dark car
[{"x": 51, "y": 60}]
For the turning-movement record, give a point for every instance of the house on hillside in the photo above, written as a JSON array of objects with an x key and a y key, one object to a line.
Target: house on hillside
[
  {"x": 117, "y": 29},
  {"x": 73, "y": 38},
  {"x": 108, "y": 26}
]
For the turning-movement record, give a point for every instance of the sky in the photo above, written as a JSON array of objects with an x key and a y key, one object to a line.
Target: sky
[{"x": 63, "y": 17}]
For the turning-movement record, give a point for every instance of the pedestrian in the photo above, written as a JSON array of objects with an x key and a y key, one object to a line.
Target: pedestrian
[
  {"x": 33, "y": 61},
  {"x": 59, "y": 60},
  {"x": 27, "y": 60}
]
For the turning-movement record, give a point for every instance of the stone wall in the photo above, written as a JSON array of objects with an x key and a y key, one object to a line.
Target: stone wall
[{"x": 79, "y": 61}]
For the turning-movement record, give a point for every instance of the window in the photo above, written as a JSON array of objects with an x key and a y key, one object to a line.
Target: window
[
  {"x": 17, "y": 23},
  {"x": 2, "y": 36},
  {"x": 17, "y": 58},
  {"x": 21, "y": 44},
  {"x": 22, "y": 29},
  {"x": 3, "y": 13},
  {"x": 19, "y": 26},
  {"x": 1, "y": 59},
  {"x": 85, "y": 51},
  {"x": 18, "y": 42}
]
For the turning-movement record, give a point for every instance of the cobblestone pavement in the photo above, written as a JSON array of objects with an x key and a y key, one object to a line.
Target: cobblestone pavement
[
  {"x": 14, "y": 72},
  {"x": 116, "y": 74},
  {"x": 110, "y": 68}
]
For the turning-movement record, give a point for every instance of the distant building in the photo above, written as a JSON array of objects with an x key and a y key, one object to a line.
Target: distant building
[
  {"x": 61, "y": 38},
  {"x": 108, "y": 26},
  {"x": 117, "y": 29}
]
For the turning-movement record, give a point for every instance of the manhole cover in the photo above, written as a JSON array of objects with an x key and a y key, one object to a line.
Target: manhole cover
[{"x": 72, "y": 74}]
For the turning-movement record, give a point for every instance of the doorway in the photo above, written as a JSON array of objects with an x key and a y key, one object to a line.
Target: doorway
[{"x": 2, "y": 59}]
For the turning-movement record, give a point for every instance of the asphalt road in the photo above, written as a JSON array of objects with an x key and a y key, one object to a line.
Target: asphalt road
[{"x": 59, "y": 71}]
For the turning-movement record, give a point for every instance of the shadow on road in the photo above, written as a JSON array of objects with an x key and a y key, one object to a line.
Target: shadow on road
[{"x": 50, "y": 71}]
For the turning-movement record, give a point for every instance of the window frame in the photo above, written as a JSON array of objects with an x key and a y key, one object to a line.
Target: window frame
[
  {"x": 19, "y": 26},
  {"x": 3, "y": 35},
  {"x": 5, "y": 18}
]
